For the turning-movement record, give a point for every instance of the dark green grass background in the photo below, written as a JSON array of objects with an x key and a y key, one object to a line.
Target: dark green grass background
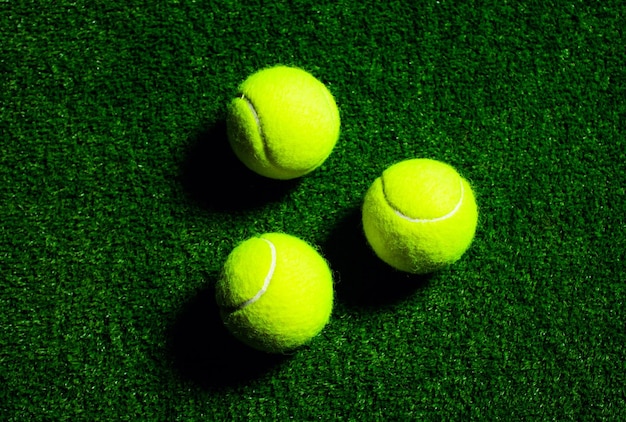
[{"x": 120, "y": 200}]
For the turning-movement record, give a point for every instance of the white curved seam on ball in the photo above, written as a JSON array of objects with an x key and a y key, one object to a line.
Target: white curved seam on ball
[
  {"x": 429, "y": 220},
  {"x": 257, "y": 120},
  {"x": 254, "y": 113},
  {"x": 268, "y": 278}
]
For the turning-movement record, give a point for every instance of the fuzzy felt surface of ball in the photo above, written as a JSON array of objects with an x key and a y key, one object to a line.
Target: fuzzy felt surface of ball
[
  {"x": 283, "y": 123},
  {"x": 420, "y": 215},
  {"x": 275, "y": 292}
]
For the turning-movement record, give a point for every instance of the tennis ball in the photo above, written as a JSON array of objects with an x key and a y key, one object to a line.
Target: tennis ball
[
  {"x": 419, "y": 215},
  {"x": 275, "y": 292},
  {"x": 283, "y": 123}
]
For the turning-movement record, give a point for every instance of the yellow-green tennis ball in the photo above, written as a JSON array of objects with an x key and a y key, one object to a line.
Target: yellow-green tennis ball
[
  {"x": 420, "y": 215},
  {"x": 283, "y": 123},
  {"x": 275, "y": 293}
]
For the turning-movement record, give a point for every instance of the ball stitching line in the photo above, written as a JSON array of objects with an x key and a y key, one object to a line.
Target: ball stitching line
[
  {"x": 426, "y": 220},
  {"x": 253, "y": 110},
  {"x": 256, "y": 117},
  {"x": 257, "y": 120},
  {"x": 268, "y": 278}
]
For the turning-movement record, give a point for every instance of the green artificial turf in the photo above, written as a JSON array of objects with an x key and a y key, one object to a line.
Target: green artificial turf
[{"x": 120, "y": 200}]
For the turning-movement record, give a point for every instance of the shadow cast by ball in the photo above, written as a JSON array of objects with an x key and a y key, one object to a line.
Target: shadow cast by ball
[
  {"x": 213, "y": 176},
  {"x": 205, "y": 353},
  {"x": 362, "y": 279}
]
